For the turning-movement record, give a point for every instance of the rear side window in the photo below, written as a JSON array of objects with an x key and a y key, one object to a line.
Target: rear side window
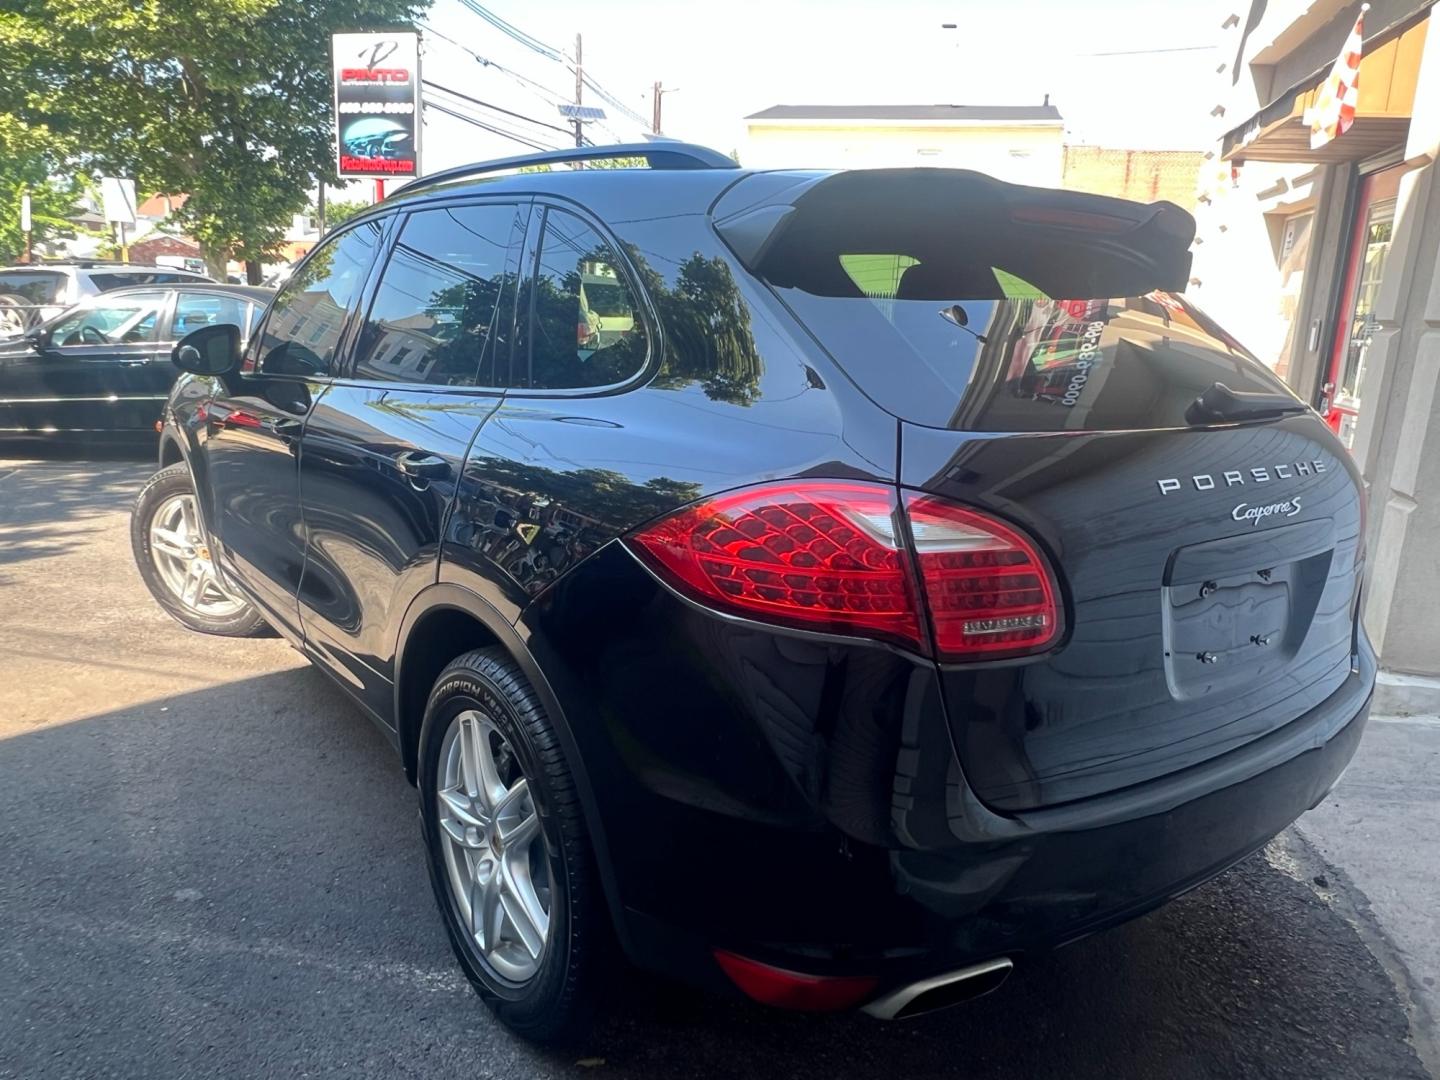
[
  {"x": 194, "y": 310},
  {"x": 977, "y": 344},
  {"x": 308, "y": 316},
  {"x": 444, "y": 309},
  {"x": 32, "y": 286},
  {"x": 582, "y": 323}
]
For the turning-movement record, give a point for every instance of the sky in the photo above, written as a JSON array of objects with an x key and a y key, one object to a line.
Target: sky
[{"x": 1097, "y": 59}]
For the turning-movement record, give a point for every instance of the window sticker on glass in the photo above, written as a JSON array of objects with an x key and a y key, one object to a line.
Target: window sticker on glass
[{"x": 1056, "y": 346}]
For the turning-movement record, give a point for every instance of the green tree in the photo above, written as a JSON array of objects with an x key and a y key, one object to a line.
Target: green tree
[
  {"x": 342, "y": 210},
  {"x": 226, "y": 100},
  {"x": 30, "y": 159}
]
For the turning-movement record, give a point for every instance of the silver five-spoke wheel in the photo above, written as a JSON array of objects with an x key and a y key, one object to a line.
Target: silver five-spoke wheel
[
  {"x": 494, "y": 850},
  {"x": 178, "y": 551}
]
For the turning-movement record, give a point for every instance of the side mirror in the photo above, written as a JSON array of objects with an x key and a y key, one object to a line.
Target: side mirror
[{"x": 211, "y": 350}]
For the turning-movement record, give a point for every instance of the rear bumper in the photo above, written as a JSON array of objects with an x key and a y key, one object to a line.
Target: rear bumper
[
  {"x": 722, "y": 854},
  {"x": 981, "y": 902}
]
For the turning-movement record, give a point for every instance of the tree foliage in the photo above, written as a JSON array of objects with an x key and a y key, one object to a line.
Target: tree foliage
[
  {"x": 30, "y": 158},
  {"x": 226, "y": 100},
  {"x": 339, "y": 211}
]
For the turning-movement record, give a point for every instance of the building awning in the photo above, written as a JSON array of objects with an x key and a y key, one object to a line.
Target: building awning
[{"x": 1389, "y": 70}]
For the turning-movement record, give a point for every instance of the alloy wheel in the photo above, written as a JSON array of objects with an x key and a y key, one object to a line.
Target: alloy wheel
[
  {"x": 495, "y": 852},
  {"x": 178, "y": 550}
]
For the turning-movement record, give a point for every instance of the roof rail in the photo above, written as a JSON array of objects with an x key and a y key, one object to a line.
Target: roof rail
[
  {"x": 658, "y": 155},
  {"x": 78, "y": 263}
]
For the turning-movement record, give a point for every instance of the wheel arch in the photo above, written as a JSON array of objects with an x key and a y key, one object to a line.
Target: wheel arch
[
  {"x": 171, "y": 452},
  {"x": 463, "y": 620}
]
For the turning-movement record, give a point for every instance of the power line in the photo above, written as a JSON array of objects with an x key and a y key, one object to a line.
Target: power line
[
  {"x": 487, "y": 127},
  {"x": 612, "y": 100},
  {"x": 537, "y": 90},
  {"x": 496, "y": 108},
  {"x": 532, "y": 43},
  {"x": 551, "y": 53},
  {"x": 540, "y": 90},
  {"x": 1147, "y": 52}
]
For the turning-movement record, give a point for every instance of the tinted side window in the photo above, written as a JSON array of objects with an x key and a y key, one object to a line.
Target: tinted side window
[
  {"x": 106, "y": 282},
  {"x": 305, "y": 322},
  {"x": 443, "y": 311},
  {"x": 33, "y": 288},
  {"x": 584, "y": 326}
]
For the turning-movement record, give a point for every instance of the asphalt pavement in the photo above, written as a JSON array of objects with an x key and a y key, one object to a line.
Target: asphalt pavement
[{"x": 210, "y": 866}]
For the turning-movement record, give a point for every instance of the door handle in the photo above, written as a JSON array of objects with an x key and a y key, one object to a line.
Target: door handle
[
  {"x": 418, "y": 466},
  {"x": 285, "y": 427}
]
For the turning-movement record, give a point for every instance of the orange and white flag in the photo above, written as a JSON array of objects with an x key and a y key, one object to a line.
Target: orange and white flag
[{"x": 1334, "y": 108}]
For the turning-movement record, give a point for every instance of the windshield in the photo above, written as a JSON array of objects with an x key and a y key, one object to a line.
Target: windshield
[{"x": 108, "y": 320}]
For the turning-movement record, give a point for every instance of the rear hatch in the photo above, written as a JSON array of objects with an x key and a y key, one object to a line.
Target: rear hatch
[{"x": 1047, "y": 371}]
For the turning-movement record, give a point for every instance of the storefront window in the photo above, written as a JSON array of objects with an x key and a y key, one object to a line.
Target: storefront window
[
  {"x": 1294, "y": 253},
  {"x": 1364, "y": 273}
]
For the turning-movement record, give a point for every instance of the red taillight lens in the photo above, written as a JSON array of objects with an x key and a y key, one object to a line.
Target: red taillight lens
[
  {"x": 819, "y": 555},
  {"x": 990, "y": 592},
  {"x": 793, "y": 990},
  {"x": 826, "y": 556}
]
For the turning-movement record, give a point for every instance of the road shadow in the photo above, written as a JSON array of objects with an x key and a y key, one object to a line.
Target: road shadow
[
  {"x": 42, "y": 501},
  {"x": 230, "y": 882}
]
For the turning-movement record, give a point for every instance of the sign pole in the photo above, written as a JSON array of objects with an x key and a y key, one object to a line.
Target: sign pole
[
  {"x": 25, "y": 226},
  {"x": 379, "y": 189}
]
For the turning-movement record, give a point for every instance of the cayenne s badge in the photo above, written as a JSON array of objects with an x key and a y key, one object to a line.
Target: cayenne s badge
[{"x": 1255, "y": 514}]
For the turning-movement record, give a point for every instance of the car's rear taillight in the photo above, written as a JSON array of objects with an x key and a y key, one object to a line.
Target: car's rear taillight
[
  {"x": 989, "y": 590},
  {"x": 823, "y": 556},
  {"x": 827, "y": 556}
]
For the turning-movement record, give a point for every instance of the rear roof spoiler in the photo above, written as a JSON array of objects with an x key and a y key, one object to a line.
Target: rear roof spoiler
[{"x": 756, "y": 215}]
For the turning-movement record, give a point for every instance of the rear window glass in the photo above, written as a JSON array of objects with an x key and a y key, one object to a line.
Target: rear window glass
[
  {"x": 958, "y": 344},
  {"x": 32, "y": 286}
]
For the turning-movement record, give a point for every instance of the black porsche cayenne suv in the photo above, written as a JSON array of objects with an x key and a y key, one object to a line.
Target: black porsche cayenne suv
[{"x": 830, "y": 586}]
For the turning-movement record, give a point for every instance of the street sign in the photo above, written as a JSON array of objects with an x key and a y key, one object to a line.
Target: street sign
[
  {"x": 377, "y": 104},
  {"x": 24, "y": 213},
  {"x": 117, "y": 199},
  {"x": 581, "y": 112}
]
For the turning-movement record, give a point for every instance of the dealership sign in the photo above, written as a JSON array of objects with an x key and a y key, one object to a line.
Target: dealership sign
[{"x": 377, "y": 104}]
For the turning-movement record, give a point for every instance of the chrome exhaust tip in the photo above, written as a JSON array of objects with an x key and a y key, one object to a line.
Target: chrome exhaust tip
[{"x": 941, "y": 991}]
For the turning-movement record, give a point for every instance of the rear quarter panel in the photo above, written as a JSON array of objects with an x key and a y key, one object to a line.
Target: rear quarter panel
[{"x": 732, "y": 395}]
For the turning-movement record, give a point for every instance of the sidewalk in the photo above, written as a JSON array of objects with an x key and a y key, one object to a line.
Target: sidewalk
[{"x": 1381, "y": 829}]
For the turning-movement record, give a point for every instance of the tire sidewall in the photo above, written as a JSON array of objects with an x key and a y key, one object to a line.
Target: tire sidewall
[
  {"x": 167, "y": 483},
  {"x": 462, "y": 691}
]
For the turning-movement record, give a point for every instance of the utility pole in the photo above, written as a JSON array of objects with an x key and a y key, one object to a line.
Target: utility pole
[
  {"x": 579, "y": 93},
  {"x": 655, "y": 99}
]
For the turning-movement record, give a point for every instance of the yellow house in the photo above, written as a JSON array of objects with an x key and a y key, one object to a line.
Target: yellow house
[{"x": 1021, "y": 143}]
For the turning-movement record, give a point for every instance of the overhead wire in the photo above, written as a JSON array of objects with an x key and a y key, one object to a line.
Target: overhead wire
[
  {"x": 536, "y": 89},
  {"x": 490, "y": 105},
  {"x": 513, "y": 136},
  {"x": 551, "y": 53}
]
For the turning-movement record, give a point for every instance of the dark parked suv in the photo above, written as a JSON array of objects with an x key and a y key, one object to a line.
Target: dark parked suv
[{"x": 838, "y": 585}]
